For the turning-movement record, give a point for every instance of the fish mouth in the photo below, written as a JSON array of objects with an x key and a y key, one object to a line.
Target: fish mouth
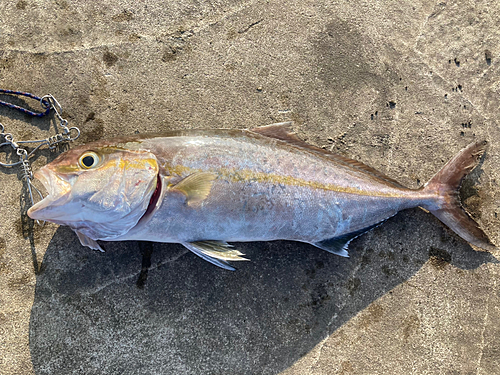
[{"x": 56, "y": 188}]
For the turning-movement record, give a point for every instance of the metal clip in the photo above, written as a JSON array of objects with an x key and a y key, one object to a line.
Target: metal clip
[
  {"x": 54, "y": 104},
  {"x": 28, "y": 177},
  {"x": 67, "y": 134}
]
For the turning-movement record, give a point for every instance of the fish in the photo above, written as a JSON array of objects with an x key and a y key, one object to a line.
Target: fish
[{"x": 206, "y": 189}]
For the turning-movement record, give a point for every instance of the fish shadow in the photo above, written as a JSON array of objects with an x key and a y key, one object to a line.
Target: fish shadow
[{"x": 158, "y": 309}]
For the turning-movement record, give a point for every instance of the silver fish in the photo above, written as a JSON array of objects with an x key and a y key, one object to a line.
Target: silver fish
[{"x": 205, "y": 188}]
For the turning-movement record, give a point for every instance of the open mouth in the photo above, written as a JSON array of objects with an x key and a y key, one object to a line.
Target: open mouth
[
  {"x": 44, "y": 180},
  {"x": 39, "y": 210},
  {"x": 33, "y": 210}
]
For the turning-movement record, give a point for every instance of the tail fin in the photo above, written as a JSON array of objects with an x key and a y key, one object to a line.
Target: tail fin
[{"x": 446, "y": 184}]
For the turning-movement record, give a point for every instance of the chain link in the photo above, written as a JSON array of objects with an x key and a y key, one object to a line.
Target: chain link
[{"x": 67, "y": 134}]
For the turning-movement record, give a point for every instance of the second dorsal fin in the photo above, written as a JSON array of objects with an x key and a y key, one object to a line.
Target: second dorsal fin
[{"x": 283, "y": 131}]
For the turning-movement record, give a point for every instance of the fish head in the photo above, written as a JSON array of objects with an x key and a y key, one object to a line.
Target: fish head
[{"x": 101, "y": 192}]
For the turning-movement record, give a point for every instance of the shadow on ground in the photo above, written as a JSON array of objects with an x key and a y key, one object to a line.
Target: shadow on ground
[{"x": 157, "y": 309}]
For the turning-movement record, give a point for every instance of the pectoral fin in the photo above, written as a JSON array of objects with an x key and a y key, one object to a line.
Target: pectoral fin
[
  {"x": 338, "y": 245},
  {"x": 196, "y": 187},
  {"x": 89, "y": 242},
  {"x": 215, "y": 252}
]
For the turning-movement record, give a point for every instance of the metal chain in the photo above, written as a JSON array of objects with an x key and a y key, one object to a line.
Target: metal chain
[{"x": 68, "y": 134}]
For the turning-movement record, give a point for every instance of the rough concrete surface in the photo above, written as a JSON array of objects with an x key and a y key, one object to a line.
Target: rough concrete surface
[{"x": 399, "y": 85}]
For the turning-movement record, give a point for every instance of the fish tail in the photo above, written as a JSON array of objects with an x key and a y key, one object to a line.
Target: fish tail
[{"x": 446, "y": 184}]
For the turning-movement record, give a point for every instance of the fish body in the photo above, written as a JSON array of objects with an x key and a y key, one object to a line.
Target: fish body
[{"x": 204, "y": 188}]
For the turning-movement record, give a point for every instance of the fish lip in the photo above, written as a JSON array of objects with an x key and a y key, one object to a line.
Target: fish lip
[
  {"x": 36, "y": 212},
  {"x": 41, "y": 176}
]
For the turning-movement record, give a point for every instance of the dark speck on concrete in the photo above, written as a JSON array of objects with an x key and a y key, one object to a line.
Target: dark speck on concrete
[
  {"x": 319, "y": 295},
  {"x": 124, "y": 16},
  {"x": 374, "y": 314},
  {"x": 488, "y": 56},
  {"x": 311, "y": 273},
  {"x": 109, "y": 59},
  {"x": 90, "y": 116},
  {"x": 439, "y": 258},
  {"x": 21, "y": 5},
  {"x": 467, "y": 124},
  {"x": 170, "y": 54},
  {"x": 93, "y": 130},
  {"x": 353, "y": 284},
  {"x": 3, "y": 246},
  {"x": 388, "y": 271},
  {"x": 410, "y": 326},
  {"x": 365, "y": 259}
]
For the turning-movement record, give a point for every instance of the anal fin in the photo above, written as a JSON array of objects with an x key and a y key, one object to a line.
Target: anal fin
[
  {"x": 215, "y": 252},
  {"x": 339, "y": 245}
]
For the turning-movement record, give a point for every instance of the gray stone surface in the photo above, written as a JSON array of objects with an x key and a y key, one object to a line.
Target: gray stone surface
[{"x": 399, "y": 85}]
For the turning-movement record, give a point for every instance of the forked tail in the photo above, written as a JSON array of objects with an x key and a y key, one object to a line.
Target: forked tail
[{"x": 446, "y": 184}]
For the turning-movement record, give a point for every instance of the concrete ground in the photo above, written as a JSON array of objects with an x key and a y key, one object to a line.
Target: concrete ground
[{"x": 399, "y": 85}]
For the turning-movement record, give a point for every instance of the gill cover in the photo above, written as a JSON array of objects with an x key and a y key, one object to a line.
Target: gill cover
[{"x": 101, "y": 193}]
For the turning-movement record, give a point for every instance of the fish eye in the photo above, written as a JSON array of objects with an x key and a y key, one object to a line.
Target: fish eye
[{"x": 88, "y": 160}]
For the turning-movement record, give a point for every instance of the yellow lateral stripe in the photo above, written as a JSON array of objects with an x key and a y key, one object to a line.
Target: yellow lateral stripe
[
  {"x": 247, "y": 175},
  {"x": 111, "y": 164}
]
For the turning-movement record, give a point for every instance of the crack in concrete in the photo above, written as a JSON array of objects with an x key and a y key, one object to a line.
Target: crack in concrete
[
  {"x": 206, "y": 23},
  {"x": 437, "y": 72},
  {"x": 134, "y": 274},
  {"x": 424, "y": 24},
  {"x": 64, "y": 51},
  {"x": 195, "y": 27},
  {"x": 423, "y": 59},
  {"x": 318, "y": 356},
  {"x": 244, "y": 30},
  {"x": 485, "y": 322},
  {"x": 335, "y": 316},
  {"x": 416, "y": 286}
]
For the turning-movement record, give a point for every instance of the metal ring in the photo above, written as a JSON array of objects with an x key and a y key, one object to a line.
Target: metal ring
[
  {"x": 45, "y": 104},
  {"x": 77, "y": 133},
  {"x": 53, "y": 103}
]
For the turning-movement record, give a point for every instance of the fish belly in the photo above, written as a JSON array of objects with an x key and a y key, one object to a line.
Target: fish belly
[{"x": 263, "y": 212}]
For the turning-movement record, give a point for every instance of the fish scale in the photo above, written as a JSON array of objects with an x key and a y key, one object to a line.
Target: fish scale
[{"x": 204, "y": 188}]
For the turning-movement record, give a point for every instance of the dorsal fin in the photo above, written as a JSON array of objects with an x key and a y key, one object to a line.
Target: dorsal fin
[{"x": 283, "y": 132}]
